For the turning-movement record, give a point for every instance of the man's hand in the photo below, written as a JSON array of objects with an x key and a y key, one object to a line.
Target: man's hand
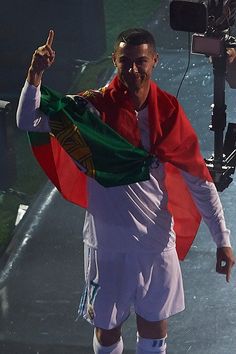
[
  {"x": 42, "y": 59},
  {"x": 225, "y": 261}
]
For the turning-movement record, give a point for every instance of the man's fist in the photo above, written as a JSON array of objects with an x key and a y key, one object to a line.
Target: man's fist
[{"x": 42, "y": 59}]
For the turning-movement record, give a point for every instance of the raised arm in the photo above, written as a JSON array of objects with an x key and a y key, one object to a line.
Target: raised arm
[
  {"x": 42, "y": 59},
  {"x": 28, "y": 116}
]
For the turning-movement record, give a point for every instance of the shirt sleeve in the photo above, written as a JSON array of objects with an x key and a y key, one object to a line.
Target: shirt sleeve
[
  {"x": 28, "y": 115},
  {"x": 207, "y": 200}
]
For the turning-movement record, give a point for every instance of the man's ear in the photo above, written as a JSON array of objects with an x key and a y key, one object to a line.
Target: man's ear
[
  {"x": 156, "y": 60},
  {"x": 114, "y": 59}
]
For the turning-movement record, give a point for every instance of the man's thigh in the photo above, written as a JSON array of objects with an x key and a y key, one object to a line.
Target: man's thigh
[{"x": 160, "y": 288}]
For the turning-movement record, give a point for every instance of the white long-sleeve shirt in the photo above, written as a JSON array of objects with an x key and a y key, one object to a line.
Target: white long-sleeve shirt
[{"x": 132, "y": 217}]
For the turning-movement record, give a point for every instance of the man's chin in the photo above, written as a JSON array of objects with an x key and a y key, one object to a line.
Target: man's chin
[{"x": 134, "y": 85}]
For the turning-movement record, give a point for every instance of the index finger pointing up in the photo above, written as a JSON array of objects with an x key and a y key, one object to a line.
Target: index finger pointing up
[{"x": 50, "y": 38}]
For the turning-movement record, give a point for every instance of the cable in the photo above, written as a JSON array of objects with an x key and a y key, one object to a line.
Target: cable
[{"x": 187, "y": 68}]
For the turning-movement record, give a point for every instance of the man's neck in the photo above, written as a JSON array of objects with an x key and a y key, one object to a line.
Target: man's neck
[{"x": 139, "y": 97}]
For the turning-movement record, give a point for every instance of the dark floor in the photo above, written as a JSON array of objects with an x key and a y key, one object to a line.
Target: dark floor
[{"x": 41, "y": 275}]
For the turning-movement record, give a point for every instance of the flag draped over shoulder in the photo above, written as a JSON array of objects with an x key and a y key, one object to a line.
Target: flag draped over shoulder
[
  {"x": 80, "y": 142},
  {"x": 108, "y": 148}
]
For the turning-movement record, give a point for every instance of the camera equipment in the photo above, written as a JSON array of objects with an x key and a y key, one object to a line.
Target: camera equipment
[
  {"x": 201, "y": 15},
  {"x": 211, "y": 20}
]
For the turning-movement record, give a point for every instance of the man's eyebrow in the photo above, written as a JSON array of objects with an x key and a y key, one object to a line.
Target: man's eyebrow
[{"x": 141, "y": 57}]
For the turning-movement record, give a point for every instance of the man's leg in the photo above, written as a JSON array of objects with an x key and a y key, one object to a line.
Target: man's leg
[
  {"x": 107, "y": 341},
  {"x": 151, "y": 337}
]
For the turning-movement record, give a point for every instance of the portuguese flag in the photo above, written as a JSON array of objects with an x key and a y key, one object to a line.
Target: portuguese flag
[
  {"x": 106, "y": 147},
  {"x": 81, "y": 144}
]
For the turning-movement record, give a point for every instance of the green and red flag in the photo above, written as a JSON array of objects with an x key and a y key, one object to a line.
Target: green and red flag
[{"x": 80, "y": 144}]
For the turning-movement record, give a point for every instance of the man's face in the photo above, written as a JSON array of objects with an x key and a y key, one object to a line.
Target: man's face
[{"x": 134, "y": 64}]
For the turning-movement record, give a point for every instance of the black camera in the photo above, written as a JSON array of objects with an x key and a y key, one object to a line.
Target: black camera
[
  {"x": 202, "y": 15},
  {"x": 210, "y": 20}
]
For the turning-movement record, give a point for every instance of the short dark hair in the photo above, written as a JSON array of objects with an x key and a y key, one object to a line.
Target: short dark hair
[{"x": 135, "y": 36}]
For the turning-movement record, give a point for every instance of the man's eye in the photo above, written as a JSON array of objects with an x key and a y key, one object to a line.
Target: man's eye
[
  {"x": 123, "y": 61},
  {"x": 141, "y": 61}
]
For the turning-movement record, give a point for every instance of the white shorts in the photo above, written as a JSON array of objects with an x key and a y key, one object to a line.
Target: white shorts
[{"x": 117, "y": 282}]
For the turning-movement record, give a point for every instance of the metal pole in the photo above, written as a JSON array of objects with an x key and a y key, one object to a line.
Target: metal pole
[{"x": 219, "y": 108}]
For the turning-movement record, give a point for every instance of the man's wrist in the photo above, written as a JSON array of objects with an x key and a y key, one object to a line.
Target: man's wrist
[{"x": 34, "y": 78}]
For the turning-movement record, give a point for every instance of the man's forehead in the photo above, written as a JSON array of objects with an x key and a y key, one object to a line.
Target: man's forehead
[
  {"x": 124, "y": 45},
  {"x": 134, "y": 51}
]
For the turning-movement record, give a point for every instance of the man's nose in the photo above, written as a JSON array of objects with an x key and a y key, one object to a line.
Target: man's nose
[{"x": 133, "y": 67}]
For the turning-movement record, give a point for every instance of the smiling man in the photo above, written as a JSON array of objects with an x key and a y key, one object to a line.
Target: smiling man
[
  {"x": 135, "y": 65},
  {"x": 134, "y": 233}
]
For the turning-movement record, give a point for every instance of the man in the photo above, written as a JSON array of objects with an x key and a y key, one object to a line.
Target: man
[{"x": 129, "y": 230}]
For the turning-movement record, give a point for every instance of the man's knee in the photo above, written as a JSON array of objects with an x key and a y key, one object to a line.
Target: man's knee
[
  {"x": 151, "y": 329},
  {"x": 108, "y": 337},
  {"x": 151, "y": 336}
]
